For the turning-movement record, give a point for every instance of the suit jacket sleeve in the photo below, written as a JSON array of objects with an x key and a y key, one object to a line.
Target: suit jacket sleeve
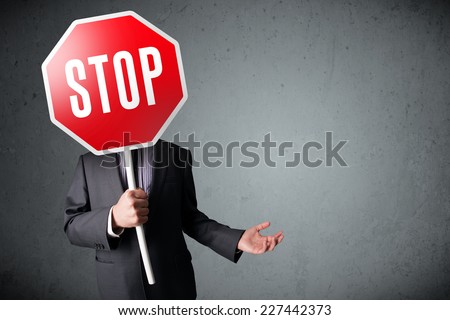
[
  {"x": 220, "y": 238},
  {"x": 83, "y": 226}
]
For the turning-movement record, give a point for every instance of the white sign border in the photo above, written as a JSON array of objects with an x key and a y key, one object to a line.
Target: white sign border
[{"x": 100, "y": 18}]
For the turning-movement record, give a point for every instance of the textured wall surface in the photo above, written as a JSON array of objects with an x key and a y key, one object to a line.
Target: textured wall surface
[{"x": 375, "y": 73}]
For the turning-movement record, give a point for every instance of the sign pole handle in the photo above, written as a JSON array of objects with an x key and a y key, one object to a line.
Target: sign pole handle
[{"x": 139, "y": 229}]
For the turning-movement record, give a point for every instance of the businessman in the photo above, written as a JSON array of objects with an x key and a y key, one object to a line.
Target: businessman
[{"x": 101, "y": 213}]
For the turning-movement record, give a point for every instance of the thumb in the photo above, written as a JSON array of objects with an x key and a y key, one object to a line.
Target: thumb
[{"x": 262, "y": 226}]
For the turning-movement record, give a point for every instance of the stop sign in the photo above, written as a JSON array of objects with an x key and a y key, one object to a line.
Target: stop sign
[{"x": 114, "y": 81}]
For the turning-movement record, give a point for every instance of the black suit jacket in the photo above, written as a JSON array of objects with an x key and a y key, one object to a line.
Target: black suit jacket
[{"x": 173, "y": 210}]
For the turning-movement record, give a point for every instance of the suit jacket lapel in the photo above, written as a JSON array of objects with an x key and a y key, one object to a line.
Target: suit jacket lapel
[{"x": 114, "y": 181}]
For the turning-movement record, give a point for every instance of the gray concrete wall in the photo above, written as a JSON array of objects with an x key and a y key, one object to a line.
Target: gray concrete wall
[{"x": 375, "y": 73}]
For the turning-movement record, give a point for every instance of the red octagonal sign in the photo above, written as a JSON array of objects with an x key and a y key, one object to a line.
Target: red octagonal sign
[{"x": 114, "y": 81}]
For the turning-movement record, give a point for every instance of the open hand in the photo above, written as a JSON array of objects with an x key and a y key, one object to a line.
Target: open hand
[{"x": 253, "y": 242}]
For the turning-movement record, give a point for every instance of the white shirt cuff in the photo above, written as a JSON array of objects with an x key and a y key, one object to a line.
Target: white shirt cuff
[{"x": 111, "y": 233}]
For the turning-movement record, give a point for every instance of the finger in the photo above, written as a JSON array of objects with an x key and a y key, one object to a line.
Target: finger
[
  {"x": 142, "y": 212},
  {"x": 138, "y": 193},
  {"x": 272, "y": 243},
  {"x": 265, "y": 245},
  {"x": 262, "y": 226},
  {"x": 278, "y": 240},
  {"x": 272, "y": 246},
  {"x": 142, "y": 220},
  {"x": 140, "y": 203},
  {"x": 278, "y": 234}
]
